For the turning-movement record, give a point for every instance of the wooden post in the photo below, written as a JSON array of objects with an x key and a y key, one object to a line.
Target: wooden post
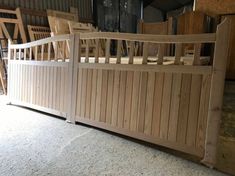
[
  {"x": 216, "y": 94},
  {"x": 73, "y": 74}
]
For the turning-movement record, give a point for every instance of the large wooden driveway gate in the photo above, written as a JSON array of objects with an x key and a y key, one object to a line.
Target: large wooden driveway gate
[{"x": 176, "y": 106}]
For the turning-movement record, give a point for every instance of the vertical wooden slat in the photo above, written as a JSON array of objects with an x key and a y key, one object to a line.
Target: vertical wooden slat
[
  {"x": 36, "y": 53},
  {"x": 93, "y": 94},
  {"x": 47, "y": 87},
  {"x": 135, "y": 101},
  {"x": 145, "y": 53},
  {"x": 51, "y": 89},
  {"x": 44, "y": 86},
  {"x": 109, "y": 96},
  {"x": 54, "y": 86},
  {"x": 193, "y": 110},
  {"x": 41, "y": 86},
  {"x": 42, "y": 52},
  {"x": 56, "y": 51},
  {"x": 87, "y": 51},
  {"x": 119, "y": 52},
  {"x": 97, "y": 48},
  {"x": 161, "y": 50},
  {"x": 203, "y": 111},
  {"x": 128, "y": 99},
  {"x": 174, "y": 110},
  {"x": 104, "y": 95},
  {"x": 98, "y": 95},
  {"x": 30, "y": 53},
  {"x": 58, "y": 87},
  {"x": 115, "y": 97},
  {"x": 197, "y": 54},
  {"x": 88, "y": 93},
  {"x": 49, "y": 52},
  {"x": 14, "y": 54},
  {"x": 178, "y": 53},
  {"x": 149, "y": 103},
  {"x": 107, "y": 51},
  {"x": 21, "y": 90},
  {"x": 184, "y": 108},
  {"x": 64, "y": 47},
  {"x": 165, "y": 110},
  {"x": 83, "y": 94},
  {"x": 25, "y": 52},
  {"x": 131, "y": 52},
  {"x": 121, "y": 100},
  {"x": 157, "y": 103},
  {"x": 62, "y": 87},
  {"x": 79, "y": 91},
  {"x": 20, "y": 54},
  {"x": 142, "y": 101}
]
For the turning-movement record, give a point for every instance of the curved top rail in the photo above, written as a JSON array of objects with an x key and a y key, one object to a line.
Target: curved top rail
[
  {"x": 40, "y": 42},
  {"x": 194, "y": 38}
]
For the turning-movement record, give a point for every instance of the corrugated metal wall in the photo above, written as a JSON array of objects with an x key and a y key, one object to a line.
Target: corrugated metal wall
[{"x": 84, "y": 9}]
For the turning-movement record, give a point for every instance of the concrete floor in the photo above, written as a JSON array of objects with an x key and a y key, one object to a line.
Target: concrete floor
[{"x": 36, "y": 144}]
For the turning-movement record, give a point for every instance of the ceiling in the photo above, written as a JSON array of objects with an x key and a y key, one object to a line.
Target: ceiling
[{"x": 167, "y": 5}]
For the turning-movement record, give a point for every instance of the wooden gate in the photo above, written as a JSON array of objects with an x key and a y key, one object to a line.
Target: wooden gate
[
  {"x": 169, "y": 104},
  {"x": 165, "y": 103},
  {"x": 38, "y": 82}
]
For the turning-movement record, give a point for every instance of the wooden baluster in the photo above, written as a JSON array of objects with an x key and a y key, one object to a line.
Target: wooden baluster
[
  {"x": 19, "y": 54},
  {"x": 131, "y": 52},
  {"x": 197, "y": 54},
  {"x": 178, "y": 53},
  {"x": 36, "y": 52},
  {"x": 161, "y": 50},
  {"x": 107, "y": 51},
  {"x": 63, "y": 50},
  {"x": 42, "y": 52},
  {"x": 119, "y": 52},
  {"x": 97, "y": 43},
  {"x": 145, "y": 53},
  {"x": 25, "y": 53},
  {"x": 56, "y": 51},
  {"x": 87, "y": 51},
  {"x": 30, "y": 53},
  {"x": 14, "y": 54},
  {"x": 49, "y": 52}
]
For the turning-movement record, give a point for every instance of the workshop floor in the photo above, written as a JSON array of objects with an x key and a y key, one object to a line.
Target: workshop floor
[{"x": 33, "y": 143}]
